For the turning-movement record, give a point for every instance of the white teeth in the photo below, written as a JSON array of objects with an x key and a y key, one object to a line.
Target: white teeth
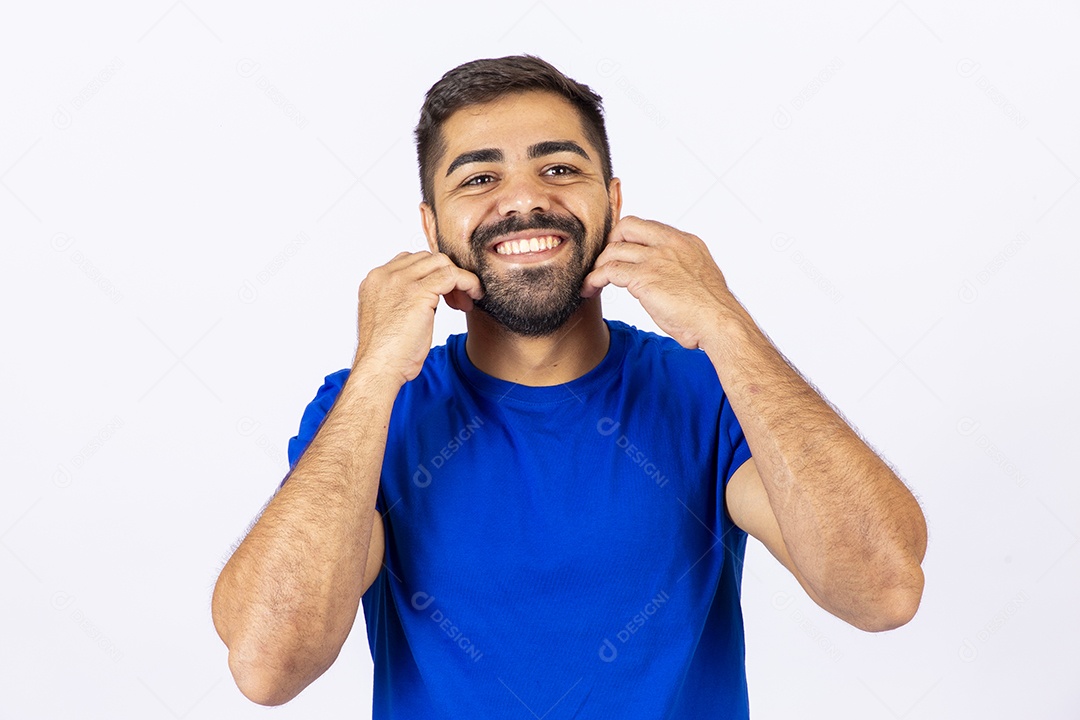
[{"x": 530, "y": 245}]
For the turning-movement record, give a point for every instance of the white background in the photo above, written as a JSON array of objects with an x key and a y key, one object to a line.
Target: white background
[{"x": 190, "y": 195}]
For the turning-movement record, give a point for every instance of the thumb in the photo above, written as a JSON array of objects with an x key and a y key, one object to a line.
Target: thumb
[{"x": 459, "y": 300}]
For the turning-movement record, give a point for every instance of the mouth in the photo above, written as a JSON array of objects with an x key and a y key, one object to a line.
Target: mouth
[{"x": 531, "y": 243}]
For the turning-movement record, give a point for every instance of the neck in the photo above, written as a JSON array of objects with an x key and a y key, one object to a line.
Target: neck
[{"x": 567, "y": 354}]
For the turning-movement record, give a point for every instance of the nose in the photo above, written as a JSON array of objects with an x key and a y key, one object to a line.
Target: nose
[{"x": 523, "y": 193}]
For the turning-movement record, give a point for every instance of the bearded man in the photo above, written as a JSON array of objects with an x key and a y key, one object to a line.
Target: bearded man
[{"x": 547, "y": 515}]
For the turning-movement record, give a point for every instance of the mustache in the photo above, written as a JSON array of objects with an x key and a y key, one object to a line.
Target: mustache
[{"x": 485, "y": 234}]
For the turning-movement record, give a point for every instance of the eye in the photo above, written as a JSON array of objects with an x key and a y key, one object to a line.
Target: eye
[
  {"x": 478, "y": 180},
  {"x": 560, "y": 171}
]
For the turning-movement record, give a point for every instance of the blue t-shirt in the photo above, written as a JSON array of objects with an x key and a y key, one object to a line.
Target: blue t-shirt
[{"x": 557, "y": 552}]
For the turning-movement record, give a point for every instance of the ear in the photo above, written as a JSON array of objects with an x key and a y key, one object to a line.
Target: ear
[
  {"x": 615, "y": 198},
  {"x": 427, "y": 221}
]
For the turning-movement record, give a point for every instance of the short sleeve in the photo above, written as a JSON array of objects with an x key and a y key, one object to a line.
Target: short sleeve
[
  {"x": 314, "y": 414},
  {"x": 737, "y": 449}
]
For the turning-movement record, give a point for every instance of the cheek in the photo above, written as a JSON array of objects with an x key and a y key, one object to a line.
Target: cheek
[
  {"x": 462, "y": 223},
  {"x": 466, "y": 226},
  {"x": 594, "y": 208},
  {"x": 595, "y": 219}
]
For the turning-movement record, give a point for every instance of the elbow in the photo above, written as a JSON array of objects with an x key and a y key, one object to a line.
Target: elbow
[
  {"x": 274, "y": 673},
  {"x": 895, "y": 606},
  {"x": 901, "y": 585},
  {"x": 259, "y": 687},
  {"x": 262, "y": 682},
  {"x": 265, "y": 674},
  {"x": 261, "y": 674}
]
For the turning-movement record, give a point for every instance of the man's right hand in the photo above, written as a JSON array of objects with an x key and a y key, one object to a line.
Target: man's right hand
[{"x": 396, "y": 313}]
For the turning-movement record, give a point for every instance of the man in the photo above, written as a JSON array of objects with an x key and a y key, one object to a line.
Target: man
[{"x": 547, "y": 516}]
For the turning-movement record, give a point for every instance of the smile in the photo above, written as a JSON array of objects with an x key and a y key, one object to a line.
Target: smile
[{"x": 525, "y": 246}]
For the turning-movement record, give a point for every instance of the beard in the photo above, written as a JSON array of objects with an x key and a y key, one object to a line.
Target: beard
[{"x": 533, "y": 301}]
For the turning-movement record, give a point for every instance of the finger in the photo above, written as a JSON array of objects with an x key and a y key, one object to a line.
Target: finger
[
  {"x": 468, "y": 284},
  {"x": 430, "y": 265},
  {"x": 615, "y": 272},
  {"x": 404, "y": 260},
  {"x": 442, "y": 276},
  {"x": 624, "y": 252},
  {"x": 590, "y": 290},
  {"x": 400, "y": 263},
  {"x": 458, "y": 300},
  {"x": 634, "y": 230},
  {"x": 465, "y": 281},
  {"x": 592, "y": 285}
]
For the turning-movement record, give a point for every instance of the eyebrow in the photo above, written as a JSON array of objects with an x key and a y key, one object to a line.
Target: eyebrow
[
  {"x": 550, "y": 147},
  {"x": 540, "y": 149},
  {"x": 474, "y": 156}
]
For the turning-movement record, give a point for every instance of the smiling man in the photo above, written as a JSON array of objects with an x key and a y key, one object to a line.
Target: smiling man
[{"x": 547, "y": 515}]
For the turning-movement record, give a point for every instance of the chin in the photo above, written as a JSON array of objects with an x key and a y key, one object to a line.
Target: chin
[{"x": 529, "y": 325}]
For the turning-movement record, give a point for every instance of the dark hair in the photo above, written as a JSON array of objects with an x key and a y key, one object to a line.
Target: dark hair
[{"x": 482, "y": 81}]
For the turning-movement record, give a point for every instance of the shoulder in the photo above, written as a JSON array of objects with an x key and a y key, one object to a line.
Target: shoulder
[
  {"x": 437, "y": 376},
  {"x": 436, "y": 366},
  {"x": 662, "y": 356}
]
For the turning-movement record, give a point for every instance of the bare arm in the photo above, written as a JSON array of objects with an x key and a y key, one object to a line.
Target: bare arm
[
  {"x": 819, "y": 498},
  {"x": 286, "y": 600}
]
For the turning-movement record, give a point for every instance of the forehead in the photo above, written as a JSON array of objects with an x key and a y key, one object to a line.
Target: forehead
[{"x": 512, "y": 123}]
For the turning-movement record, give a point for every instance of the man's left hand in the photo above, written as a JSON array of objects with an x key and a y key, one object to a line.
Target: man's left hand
[{"x": 670, "y": 272}]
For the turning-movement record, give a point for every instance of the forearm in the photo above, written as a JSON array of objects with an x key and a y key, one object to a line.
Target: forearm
[
  {"x": 853, "y": 530},
  {"x": 286, "y": 600}
]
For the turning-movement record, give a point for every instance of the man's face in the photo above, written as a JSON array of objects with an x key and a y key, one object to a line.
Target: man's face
[{"x": 520, "y": 200}]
